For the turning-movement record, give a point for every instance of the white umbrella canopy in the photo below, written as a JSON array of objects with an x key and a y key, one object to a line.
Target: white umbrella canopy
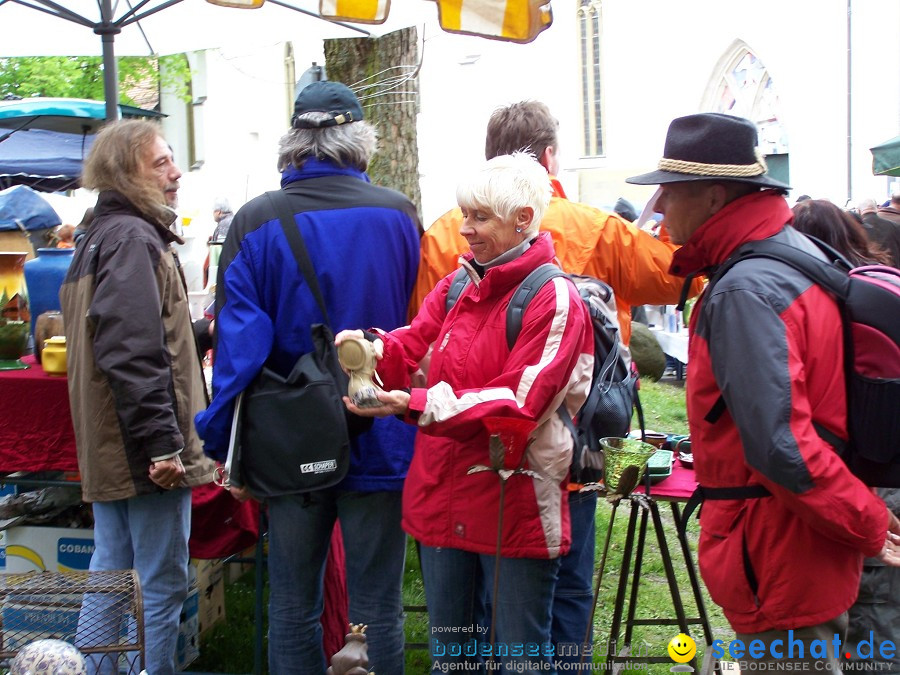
[{"x": 159, "y": 27}]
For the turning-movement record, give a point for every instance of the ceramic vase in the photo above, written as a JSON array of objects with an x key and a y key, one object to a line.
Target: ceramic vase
[
  {"x": 44, "y": 276},
  {"x": 48, "y": 325},
  {"x": 13, "y": 294}
]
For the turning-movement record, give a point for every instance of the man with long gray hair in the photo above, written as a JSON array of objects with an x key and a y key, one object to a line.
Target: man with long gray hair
[
  {"x": 363, "y": 242},
  {"x": 134, "y": 384}
]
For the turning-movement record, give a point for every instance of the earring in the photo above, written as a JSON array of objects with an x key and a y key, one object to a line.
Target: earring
[{"x": 518, "y": 229}]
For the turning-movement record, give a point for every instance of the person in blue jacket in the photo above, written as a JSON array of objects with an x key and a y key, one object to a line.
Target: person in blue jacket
[{"x": 363, "y": 241}]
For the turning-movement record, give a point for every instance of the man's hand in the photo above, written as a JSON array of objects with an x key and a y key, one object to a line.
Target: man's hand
[
  {"x": 394, "y": 402},
  {"x": 890, "y": 552},
  {"x": 242, "y": 494},
  {"x": 167, "y": 473}
]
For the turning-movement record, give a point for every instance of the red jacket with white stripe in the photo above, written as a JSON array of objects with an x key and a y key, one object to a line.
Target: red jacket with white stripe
[
  {"x": 769, "y": 342},
  {"x": 473, "y": 375}
]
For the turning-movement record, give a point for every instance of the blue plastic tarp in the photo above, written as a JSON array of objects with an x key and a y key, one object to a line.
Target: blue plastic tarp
[
  {"x": 23, "y": 204},
  {"x": 46, "y": 160}
]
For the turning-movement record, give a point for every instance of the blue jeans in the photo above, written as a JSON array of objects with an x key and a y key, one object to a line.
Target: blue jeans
[
  {"x": 574, "y": 593},
  {"x": 299, "y": 536},
  {"x": 454, "y": 581},
  {"x": 150, "y": 534}
]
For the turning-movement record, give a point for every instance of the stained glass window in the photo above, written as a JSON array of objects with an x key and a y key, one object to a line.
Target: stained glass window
[{"x": 746, "y": 89}]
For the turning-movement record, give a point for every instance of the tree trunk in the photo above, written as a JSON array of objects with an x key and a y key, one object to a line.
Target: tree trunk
[{"x": 384, "y": 74}]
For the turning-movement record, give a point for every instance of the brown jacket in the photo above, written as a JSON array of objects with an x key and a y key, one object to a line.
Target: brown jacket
[{"x": 135, "y": 380}]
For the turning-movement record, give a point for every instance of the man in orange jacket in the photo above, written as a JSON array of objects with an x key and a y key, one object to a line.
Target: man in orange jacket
[{"x": 587, "y": 241}]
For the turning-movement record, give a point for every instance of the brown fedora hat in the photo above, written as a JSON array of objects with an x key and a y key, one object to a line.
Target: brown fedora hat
[{"x": 710, "y": 146}]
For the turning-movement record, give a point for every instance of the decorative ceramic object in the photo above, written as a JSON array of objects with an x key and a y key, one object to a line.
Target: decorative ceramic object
[
  {"x": 53, "y": 356},
  {"x": 13, "y": 295},
  {"x": 13, "y": 343},
  {"x": 46, "y": 326},
  {"x": 48, "y": 657},
  {"x": 357, "y": 356},
  {"x": 44, "y": 276},
  {"x": 353, "y": 659}
]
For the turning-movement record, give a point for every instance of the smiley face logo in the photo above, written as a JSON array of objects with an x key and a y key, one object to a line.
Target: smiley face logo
[{"x": 682, "y": 648}]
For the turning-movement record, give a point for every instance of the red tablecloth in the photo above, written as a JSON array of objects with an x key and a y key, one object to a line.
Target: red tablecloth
[
  {"x": 36, "y": 431},
  {"x": 677, "y": 487}
]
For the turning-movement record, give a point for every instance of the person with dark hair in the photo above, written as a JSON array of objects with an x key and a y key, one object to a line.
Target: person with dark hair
[
  {"x": 784, "y": 525},
  {"x": 363, "y": 242},
  {"x": 877, "y": 608},
  {"x": 626, "y": 209},
  {"x": 891, "y": 210},
  {"x": 881, "y": 231},
  {"x": 838, "y": 228},
  {"x": 135, "y": 384}
]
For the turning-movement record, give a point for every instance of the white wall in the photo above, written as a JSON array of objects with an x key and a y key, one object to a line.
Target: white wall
[{"x": 659, "y": 58}]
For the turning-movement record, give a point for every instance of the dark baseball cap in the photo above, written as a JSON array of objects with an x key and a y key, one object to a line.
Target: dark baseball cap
[{"x": 334, "y": 98}]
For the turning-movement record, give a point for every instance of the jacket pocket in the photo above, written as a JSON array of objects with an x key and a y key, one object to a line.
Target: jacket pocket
[{"x": 724, "y": 558}]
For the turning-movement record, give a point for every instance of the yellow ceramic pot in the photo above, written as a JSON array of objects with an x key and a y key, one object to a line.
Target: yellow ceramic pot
[{"x": 53, "y": 356}]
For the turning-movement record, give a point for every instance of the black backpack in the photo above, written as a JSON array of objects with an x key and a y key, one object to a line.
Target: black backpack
[
  {"x": 869, "y": 301},
  {"x": 613, "y": 394}
]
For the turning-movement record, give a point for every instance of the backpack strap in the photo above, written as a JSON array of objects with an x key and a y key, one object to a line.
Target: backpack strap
[
  {"x": 523, "y": 295},
  {"x": 831, "y": 276},
  {"x": 457, "y": 286}
]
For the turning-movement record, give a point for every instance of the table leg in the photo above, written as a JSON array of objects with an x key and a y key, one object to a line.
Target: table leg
[
  {"x": 670, "y": 572},
  {"x": 587, "y": 638},
  {"x": 695, "y": 580},
  {"x": 612, "y": 647},
  {"x": 638, "y": 560}
]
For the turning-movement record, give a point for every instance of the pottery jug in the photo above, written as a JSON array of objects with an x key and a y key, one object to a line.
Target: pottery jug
[
  {"x": 53, "y": 355},
  {"x": 46, "y": 326},
  {"x": 44, "y": 276}
]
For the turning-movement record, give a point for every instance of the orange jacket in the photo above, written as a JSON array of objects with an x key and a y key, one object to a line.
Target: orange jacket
[{"x": 587, "y": 241}]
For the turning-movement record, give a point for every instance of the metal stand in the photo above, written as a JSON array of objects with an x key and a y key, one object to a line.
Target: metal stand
[
  {"x": 102, "y": 613},
  {"x": 646, "y": 507}
]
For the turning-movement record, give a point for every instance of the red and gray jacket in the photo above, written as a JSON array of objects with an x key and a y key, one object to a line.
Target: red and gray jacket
[
  {"x": 768, "y": 343},
  {"x": 473, "y": 376}
]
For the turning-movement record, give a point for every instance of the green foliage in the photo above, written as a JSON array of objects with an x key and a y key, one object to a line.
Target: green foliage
[
  {"x": 82, "y": 76},
  {"x": 664, "y": 407}
]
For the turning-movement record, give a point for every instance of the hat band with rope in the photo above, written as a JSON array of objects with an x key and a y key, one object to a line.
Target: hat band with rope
[{"x": 724, "y": 170}]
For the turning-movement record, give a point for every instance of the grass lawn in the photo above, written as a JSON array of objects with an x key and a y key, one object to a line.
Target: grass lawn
[{"x": 228, "y": 647}]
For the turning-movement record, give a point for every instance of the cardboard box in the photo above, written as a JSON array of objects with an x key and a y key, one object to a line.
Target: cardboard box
[
  {"x": 188, "y": 646},
  {"x": 208, "y": 577},
  {"x": 24, "y": 623},
  {"x": 212, "y": 606},
  {"x": 53, "y": 549}
]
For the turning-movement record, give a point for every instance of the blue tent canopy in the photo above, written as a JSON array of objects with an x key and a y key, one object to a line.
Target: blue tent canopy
[
  {"x": 45, "y": 160},
  {"x": 24, "y": 205}
]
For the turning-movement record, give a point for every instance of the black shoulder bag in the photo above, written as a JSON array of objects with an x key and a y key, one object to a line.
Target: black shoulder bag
[{"x": 294, "y": 432}]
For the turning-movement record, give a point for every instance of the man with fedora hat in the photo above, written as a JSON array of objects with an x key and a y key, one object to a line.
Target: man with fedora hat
[
  {"x": 363, "y": 242},
  {"x": 785, "y": 525}
]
